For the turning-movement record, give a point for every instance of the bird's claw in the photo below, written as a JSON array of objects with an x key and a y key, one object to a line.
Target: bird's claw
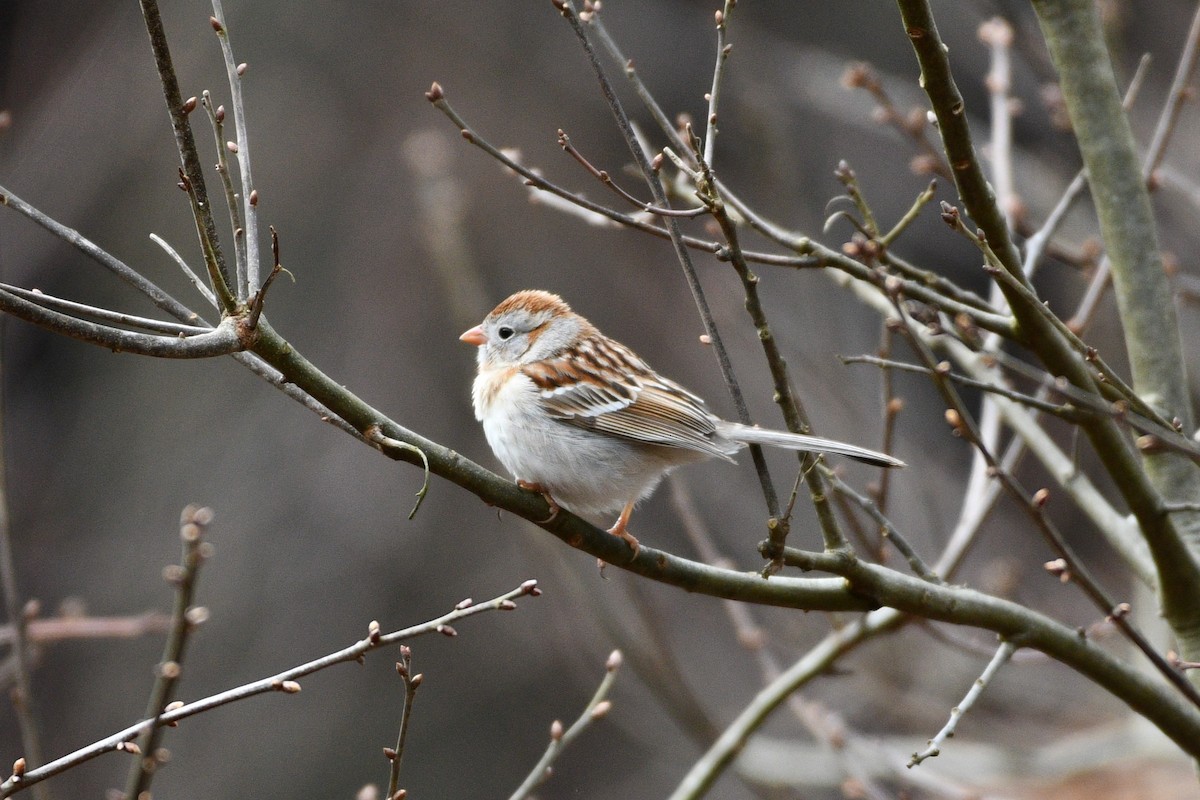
[{"x": 530, "y": 486}]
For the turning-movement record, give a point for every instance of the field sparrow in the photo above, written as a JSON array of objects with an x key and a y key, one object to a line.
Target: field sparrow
[{"x": 582, "y": 419}]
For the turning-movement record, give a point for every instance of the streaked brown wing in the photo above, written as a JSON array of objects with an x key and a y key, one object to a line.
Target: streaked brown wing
[{"x": 641, "y": 405}]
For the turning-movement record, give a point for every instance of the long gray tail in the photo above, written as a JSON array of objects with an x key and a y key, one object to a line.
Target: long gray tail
[{"x": 809, "y": 444}]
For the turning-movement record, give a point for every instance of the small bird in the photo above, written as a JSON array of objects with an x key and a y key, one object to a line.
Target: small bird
[{"x": 582, "y": 419}]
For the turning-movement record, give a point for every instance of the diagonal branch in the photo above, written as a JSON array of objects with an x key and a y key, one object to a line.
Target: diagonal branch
[
  {"x": 1178, "y": 568},
  {"x": 285, "y": 682},
  {"x": 184, "y": 140},
  {"x": 219, "y": 341}
]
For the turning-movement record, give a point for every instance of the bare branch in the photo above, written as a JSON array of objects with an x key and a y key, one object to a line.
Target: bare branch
[
  {"x": 285, "y": 682},
  {"x": 184, "y": 619},
  {"x": 1002, "y": 656},
  {"x": 595, "y": 709}
]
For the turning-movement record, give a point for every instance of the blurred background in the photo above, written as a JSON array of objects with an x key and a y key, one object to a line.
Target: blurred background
[{"x": 400, "y": 235}]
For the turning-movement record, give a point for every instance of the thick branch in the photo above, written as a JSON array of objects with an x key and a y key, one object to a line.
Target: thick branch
[
  {"x": 1179, "y": 571},
  {"x": 692, "y": 576},
  {"x": 1076, "y": 42},
  {"x": 1024, "y": 628}
]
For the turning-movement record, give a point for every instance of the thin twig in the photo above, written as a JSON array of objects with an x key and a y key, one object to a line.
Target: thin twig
[
  {"x": 1176, "y": 97},
  {"x": 249, "y": 194},
  {"x": 220, "y": 341},
  {"x": 1164, "y": 436},
  {"x": 211, "y": 250},
  {"x": 705, "y": 770},
  {"x": 849, "y": 179},
  {"x": 169, "y": 304},
  {"x": 185, "y": 142},
  {"x": 216, "y": 118},
  {"x": 567, "y": 9},
  {"x": 564, "y": 142},
  {"x": 71, "y": 308},
  {"x": 714, "y": 94},
  {"x": 57, "y": 629},
  {"x": 24, "y": 705},
  {"x": 1003, "y": 653},
  {"x": 375, "y": 437},
  {"x": 785, "y": 396},
  {"x": 411, "y": 684},
  {"x": 886, "y": 364},
  {"x": 889, "y": 531},
  {"x": 1117, "y": 528},
  {"x": 918, "y": 284},
  {"x": 910, "y": 216},
  {"x": 184, "y": 619},
  {"x": 595, "y": 709},
  {"x": 822, "y": 723},
  {"x": 997, "y": 34},
  {"x": 113, "y": 264},
  {"x": 892, "y": 406},
  {"x": 200, "y": 285},
  {"x": 284, "y": 682}
]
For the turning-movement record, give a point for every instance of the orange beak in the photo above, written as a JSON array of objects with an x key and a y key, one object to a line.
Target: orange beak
[{"x": 474, "y": 336}]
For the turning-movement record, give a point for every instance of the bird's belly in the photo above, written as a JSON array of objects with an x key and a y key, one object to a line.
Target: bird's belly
[{"x": 588, "y": 473}]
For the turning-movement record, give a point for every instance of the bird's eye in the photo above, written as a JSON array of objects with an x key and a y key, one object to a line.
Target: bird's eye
[{"x": 505, "y": 332}]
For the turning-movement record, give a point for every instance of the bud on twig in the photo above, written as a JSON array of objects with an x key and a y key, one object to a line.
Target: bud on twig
[{"x": 1058, "y": 567}]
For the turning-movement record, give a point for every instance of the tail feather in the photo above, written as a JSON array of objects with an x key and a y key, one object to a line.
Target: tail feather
[{"x": 808, "y": 444}]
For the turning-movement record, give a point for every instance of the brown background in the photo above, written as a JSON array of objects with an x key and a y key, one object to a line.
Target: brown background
[{"x": 373, "y": 193}]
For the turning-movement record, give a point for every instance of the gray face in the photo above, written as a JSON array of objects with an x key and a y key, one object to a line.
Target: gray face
[{"x": 521, "y": 336}]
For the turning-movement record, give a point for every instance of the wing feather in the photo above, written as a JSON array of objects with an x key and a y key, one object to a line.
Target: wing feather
[{"x": 606, "y": 387}]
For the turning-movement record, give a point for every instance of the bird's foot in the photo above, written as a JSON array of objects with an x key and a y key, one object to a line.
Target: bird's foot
[
  {"x": 621, "y": 530},
  {"x": 630, "y": 539},
  {"x": 530, "y": 486}
]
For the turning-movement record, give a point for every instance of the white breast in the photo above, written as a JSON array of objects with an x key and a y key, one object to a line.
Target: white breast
[{"x": 590, "y": 473}]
